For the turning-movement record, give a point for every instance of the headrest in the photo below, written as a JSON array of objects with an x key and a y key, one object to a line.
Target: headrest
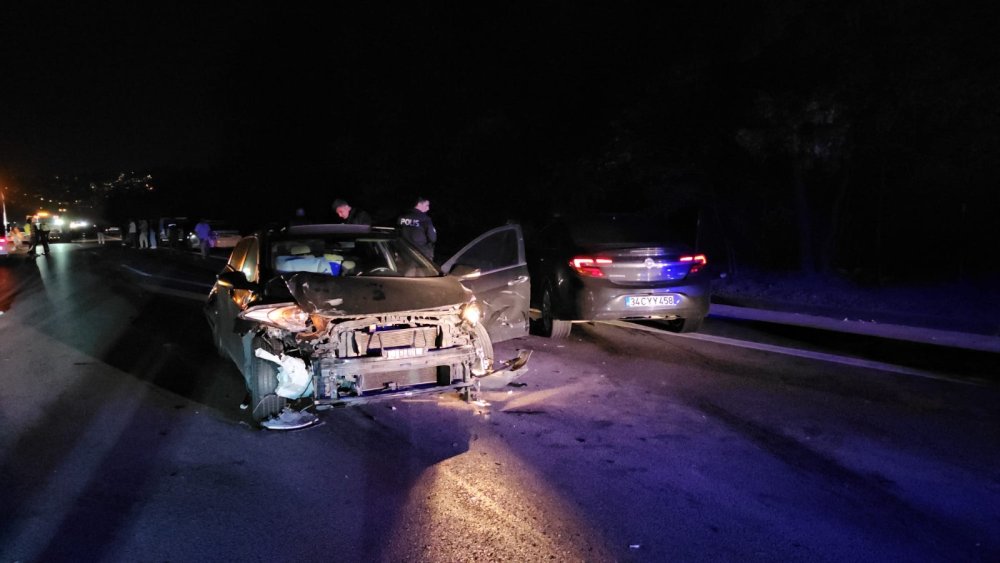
[{"x": 300, "y": 250}]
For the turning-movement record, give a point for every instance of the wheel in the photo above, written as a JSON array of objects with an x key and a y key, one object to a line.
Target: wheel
[
  {"x": 484, "y": 350},
  {"x": 263, "y": 380},
  {"x": 690, "y": 324},
  {"x": 219, "y": 348},
  {"x": 549, "y": 325},
  {"x": 216, "y": 336}
]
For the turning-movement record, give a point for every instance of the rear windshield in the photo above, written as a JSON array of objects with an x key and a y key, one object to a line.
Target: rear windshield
[
  {"x": 350, "y": 256},
  {"x": 617, "y": 229}
]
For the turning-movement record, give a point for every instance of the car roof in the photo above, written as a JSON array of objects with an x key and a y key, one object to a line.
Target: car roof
[{"x": 335, "y": 228}]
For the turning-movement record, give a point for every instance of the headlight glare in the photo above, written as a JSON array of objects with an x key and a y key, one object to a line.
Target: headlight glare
[{"x": 471, "y": 313}]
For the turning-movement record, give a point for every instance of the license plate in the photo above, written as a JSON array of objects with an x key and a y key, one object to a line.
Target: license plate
[{"x": 651, "y": 301}]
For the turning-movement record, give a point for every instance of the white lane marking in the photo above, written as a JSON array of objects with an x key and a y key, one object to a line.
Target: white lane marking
[
  {"x": 175, "y": 292},
  {"x": 831, "y": 358},
  {"x": 148, "y": 275},
  {"x": 969, "y": 341}
]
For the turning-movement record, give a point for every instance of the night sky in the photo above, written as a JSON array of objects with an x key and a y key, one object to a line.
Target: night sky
[{"x": 808, "y": 134}]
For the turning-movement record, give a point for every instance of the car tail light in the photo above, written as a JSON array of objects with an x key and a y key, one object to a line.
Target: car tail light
[
  {"x": 587, "y": 266},
  {"x": 698, "y": 261}
]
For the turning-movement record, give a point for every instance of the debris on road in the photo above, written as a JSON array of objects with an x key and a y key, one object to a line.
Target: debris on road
[{"x": 289, "y": 419}]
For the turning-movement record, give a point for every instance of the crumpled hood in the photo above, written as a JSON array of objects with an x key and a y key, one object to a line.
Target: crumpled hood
[{"x": 356, "y": 295}]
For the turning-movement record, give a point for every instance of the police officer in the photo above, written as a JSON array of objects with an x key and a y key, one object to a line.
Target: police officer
[
  {"x": 350, "y": 215},
  {"x": 416, "y": 227}
]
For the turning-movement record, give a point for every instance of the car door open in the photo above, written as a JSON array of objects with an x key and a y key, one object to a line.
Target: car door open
[{"x": 494, "y": 268}]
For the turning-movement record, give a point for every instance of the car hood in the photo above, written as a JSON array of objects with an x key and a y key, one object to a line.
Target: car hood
[{"x": 355, "y": 295}]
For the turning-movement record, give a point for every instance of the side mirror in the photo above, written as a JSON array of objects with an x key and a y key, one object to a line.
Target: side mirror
[
  {"x": 465, "y": 272},
  {"x": 235, "y": 280}
]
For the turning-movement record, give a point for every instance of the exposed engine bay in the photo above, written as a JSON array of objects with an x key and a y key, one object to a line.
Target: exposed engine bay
[{"x": 365, "y": 355}]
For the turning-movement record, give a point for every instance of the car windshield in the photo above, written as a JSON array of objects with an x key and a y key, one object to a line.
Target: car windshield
[
  {"x": 350, "y": 255},
  {"x": 617, "y": 229}
]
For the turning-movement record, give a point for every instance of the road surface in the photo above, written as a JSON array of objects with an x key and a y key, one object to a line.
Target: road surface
[{"x": 123, "y": 441}]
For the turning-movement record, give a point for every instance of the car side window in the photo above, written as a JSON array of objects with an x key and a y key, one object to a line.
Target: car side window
[{"x": 494, "y": 252}]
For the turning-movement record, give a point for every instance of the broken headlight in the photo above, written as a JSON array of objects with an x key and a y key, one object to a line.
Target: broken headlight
[
  {"x": 284, "y": 316},
  {"x": 471, "y": 313}
]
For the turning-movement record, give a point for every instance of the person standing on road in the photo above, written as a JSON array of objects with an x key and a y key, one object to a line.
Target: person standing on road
[
  {"x": 32, "y": 230},
  {"x": 416, "y": 227},
  {"x": 100, "y": 235},
  {"x": 43, "y": 236},
  {"x": 130, "y": 234},
  {"x": 39, "y": 236},
  {"x": 152, "y": 237},
  {"x": 204, "y": 232},
  {"x": 143, "y": 233},
  {"x": 16, "y": 237},
  {"x": 349, "y": 215}
]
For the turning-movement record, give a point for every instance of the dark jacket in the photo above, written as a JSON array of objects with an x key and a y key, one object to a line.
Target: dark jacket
[
  {"x": 416, "y": 227},
  {"x": 358, "y": 217}
]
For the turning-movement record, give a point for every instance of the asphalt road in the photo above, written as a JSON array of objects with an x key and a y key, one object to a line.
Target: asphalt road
[{"x": 123, "y": 441}]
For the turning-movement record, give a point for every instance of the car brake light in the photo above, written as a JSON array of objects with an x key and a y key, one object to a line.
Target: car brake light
[
  {"x": 587, "y": 266},
  {"x": 698, "y": 261}
]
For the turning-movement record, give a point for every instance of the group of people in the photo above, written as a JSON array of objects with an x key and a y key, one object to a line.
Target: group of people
[
  {"x": 415, "y": 225},
  {"x": 138, "y": 234},
  {"x": 36, "y": 235}
]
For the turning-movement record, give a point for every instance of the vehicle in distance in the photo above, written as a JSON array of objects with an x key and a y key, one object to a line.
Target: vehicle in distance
[
  {"x": 614, "y": 266},
  {"x": 223, "y": 236},
  {"x": 173, "y": 231},
  {"x": 320, "y": 315}
]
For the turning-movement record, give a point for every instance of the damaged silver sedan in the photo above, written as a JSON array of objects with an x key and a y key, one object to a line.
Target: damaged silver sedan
[{"x": 323, "y": 315}]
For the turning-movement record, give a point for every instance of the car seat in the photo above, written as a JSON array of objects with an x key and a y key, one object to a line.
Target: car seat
[{"x": 301, "y": 260}]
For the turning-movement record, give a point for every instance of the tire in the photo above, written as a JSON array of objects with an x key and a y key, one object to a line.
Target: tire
[
  {"x": 484, "y": 343},
  {"x": 262, "y": 381},
  {"x": 219, "y": 349},
  {"x": 690, "y": 324},
  {"x": 548, "y": 324}
]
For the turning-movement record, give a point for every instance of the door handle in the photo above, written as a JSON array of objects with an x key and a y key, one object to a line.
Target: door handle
[{"x": 517, "y": 280}]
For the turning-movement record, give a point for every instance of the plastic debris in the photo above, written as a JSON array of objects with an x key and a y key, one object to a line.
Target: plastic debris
[
  {"x": 289, "y": 419},
  {"x": 293, "y": 377}
]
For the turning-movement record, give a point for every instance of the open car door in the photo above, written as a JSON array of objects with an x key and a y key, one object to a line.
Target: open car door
[{"x": 494, "y": 268}]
